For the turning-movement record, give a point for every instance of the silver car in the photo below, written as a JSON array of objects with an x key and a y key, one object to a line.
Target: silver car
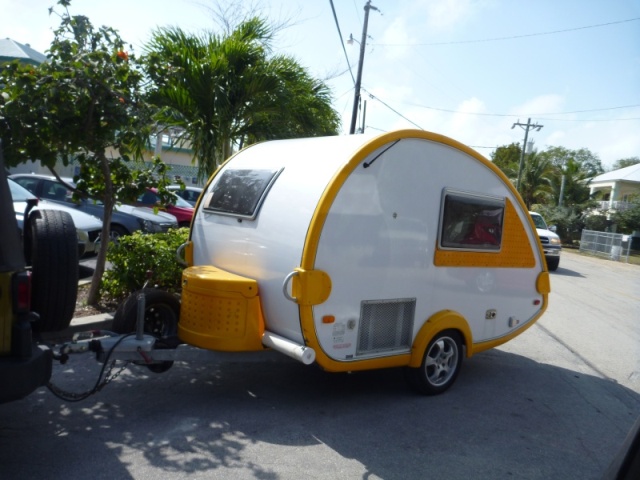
[
  {"x": 88, "y": 227},
  {"x": 125, "y": 219}
]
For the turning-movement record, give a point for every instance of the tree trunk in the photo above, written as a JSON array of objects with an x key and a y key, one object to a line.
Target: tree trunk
[{"x": 101, "y": 259}]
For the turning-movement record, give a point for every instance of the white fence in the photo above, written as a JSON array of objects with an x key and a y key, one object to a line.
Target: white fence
[{"x": 614, "y": 246}]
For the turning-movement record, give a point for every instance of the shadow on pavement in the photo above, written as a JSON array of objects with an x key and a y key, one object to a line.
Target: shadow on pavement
[
  {"x": 264, "y": 416},
  {"x": 567, "y": 273}
]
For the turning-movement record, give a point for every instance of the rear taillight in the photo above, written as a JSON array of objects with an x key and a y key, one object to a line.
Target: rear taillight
[{"x": 22, "y": 292}]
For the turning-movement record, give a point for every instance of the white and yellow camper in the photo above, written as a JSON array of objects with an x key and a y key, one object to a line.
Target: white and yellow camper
[{"x": 360, "y": 252}]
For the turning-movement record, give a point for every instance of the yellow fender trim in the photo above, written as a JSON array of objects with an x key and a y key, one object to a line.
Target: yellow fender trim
[
  {"x": 444, "y": 320},
  {"x": 543, "y": 283}
]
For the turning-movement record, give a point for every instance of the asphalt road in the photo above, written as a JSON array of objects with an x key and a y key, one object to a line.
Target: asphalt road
[{"x": 554, "y": 403}]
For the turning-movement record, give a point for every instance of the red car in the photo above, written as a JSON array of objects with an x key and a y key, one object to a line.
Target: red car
[{"x": 179, "y": 208}]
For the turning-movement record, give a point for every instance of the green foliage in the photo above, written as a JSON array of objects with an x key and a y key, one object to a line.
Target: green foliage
[
  {"x": 85, "y": 103},
  {"x": 590, "y": 164},
  {"x": 85, "y": 98},
  {"x": 625, "y": 162},
  {"x": 536, "y": 178},
  {"x": 569, "y": 221},
  {"x": 628, "y": 220},
  {"x": 135, "y": 255},
  {"x": 507, "y": 159},
  {"x": 225, "y": 90},
  {"x": 598, "y": 223},
  {"x": 577, "y": 167}
]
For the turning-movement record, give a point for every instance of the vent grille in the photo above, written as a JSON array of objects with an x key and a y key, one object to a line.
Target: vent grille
[{"x": 386, "y": 326}]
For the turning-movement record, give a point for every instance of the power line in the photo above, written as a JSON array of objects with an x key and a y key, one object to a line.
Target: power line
[
  {"x": 392, "y": 109},
  {"x": 503, "y": 115},
  {"x": 588, "y": 119},
  {"x": 592, "y": 110},
  {"x": 335, "y": 18},
  {"x": 532, "y": 114},
  {"x": 496, "y": 39}
]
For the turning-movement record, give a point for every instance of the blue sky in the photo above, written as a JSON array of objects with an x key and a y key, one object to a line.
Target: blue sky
[{"x": 468, "y": 69}]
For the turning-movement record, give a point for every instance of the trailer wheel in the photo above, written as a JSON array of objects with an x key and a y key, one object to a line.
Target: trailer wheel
[
  {"x": 51, "y": 245},
  {"x": 161, "y": 314},
  {"x": 440, "y": 365}
]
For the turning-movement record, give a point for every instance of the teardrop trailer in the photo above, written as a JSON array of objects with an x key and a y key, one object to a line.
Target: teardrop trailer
[{"x": 406, "y": 249}]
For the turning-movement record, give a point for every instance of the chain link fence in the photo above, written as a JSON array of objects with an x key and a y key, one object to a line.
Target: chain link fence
[{"x": 614, "y": 246}]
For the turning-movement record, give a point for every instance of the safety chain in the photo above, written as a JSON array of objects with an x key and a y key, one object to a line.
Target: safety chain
[
  {"x": 101, "y": 382},
  {"x": 76, "y": 397}
]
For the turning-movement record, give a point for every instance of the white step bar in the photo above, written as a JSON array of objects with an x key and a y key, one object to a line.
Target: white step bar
[{"x": 294, "y": 350}]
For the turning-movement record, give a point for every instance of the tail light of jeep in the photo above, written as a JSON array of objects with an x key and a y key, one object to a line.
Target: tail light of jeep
[{"x": 22, "y": 292}]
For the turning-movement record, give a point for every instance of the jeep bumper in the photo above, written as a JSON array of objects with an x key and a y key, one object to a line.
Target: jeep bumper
[{"x": 21, "y": 376}]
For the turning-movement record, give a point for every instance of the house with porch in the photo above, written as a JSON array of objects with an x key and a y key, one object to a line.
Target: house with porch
[{"x": 615, "y": 189}]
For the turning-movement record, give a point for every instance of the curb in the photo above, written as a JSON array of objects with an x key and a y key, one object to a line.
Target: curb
[{"x": 102, "y": 321}]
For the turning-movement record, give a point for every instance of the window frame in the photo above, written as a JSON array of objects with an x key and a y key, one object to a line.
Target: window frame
[
  {"x": 275, "y": 173},
  {"x": 484, "y": 201}
]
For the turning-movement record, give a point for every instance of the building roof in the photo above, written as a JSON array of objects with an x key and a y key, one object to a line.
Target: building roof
[
  {"x": 11, "y": 50},
  {"x": 626, "y": 174}
]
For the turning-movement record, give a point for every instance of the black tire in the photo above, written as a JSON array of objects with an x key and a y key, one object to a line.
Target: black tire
[
  {"x": 553, "y": 264},
  {"x": 161, "y": 315},
  {"x": 440, "y": 365},
  {"x": 51, "y": 244},
  {"x": 117, "y": 231}
]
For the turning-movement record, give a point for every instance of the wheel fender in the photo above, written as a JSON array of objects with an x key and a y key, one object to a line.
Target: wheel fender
[{"x": 443, "y": 320}]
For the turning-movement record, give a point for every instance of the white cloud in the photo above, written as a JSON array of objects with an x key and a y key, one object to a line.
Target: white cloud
[
  {"x": 396, "y": 35},
  {"x": 542, "y": 104},
  {"x": 445, "y": 14}
]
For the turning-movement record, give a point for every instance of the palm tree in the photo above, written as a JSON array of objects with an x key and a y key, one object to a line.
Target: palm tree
[
  {"x": 535, "y": 186},
  {"x": 571, "y": 183},
  {"x": 572, "y": 171},
  {"x": 224, "y": 90}
]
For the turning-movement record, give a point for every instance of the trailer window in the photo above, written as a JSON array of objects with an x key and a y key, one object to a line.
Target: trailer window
[
  {"x": 471, "y": 222},
  {"x": 241, "y": 192}
]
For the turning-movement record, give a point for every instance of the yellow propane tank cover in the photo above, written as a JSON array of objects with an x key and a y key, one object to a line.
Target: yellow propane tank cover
[
  {"x": 203, "y": 278},
  {"x": 220, "y": 310}
]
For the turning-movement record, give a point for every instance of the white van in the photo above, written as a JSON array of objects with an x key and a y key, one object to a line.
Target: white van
[{"x": 406, "y": 249}]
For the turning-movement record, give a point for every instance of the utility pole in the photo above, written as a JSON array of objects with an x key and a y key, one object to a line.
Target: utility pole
[
  {"x": 526, "y": 127},
  {"x": 561, "y": 189},
  {"x": 363, "y": 44}
]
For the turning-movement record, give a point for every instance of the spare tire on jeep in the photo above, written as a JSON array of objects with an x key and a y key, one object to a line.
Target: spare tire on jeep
[{"x": 51, "y": 247}]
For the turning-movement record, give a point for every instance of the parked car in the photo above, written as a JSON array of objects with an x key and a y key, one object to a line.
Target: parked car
[
  {"x": 550, "y": 241},
  {"x": 190, "y": 194},
  {"x": 88, "y": 227},
  {"x": 179, "y": 208},
  {"x": 125, "y": 219}
]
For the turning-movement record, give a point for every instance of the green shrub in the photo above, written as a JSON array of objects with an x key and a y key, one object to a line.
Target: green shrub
[
  {"x": 569, "y": 221},
  {"x": 598, "y": 223},
  {"x": 134, "y": 255}
]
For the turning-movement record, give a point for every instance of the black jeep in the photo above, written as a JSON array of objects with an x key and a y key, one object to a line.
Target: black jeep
[{"x": 38, "y": 271}]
